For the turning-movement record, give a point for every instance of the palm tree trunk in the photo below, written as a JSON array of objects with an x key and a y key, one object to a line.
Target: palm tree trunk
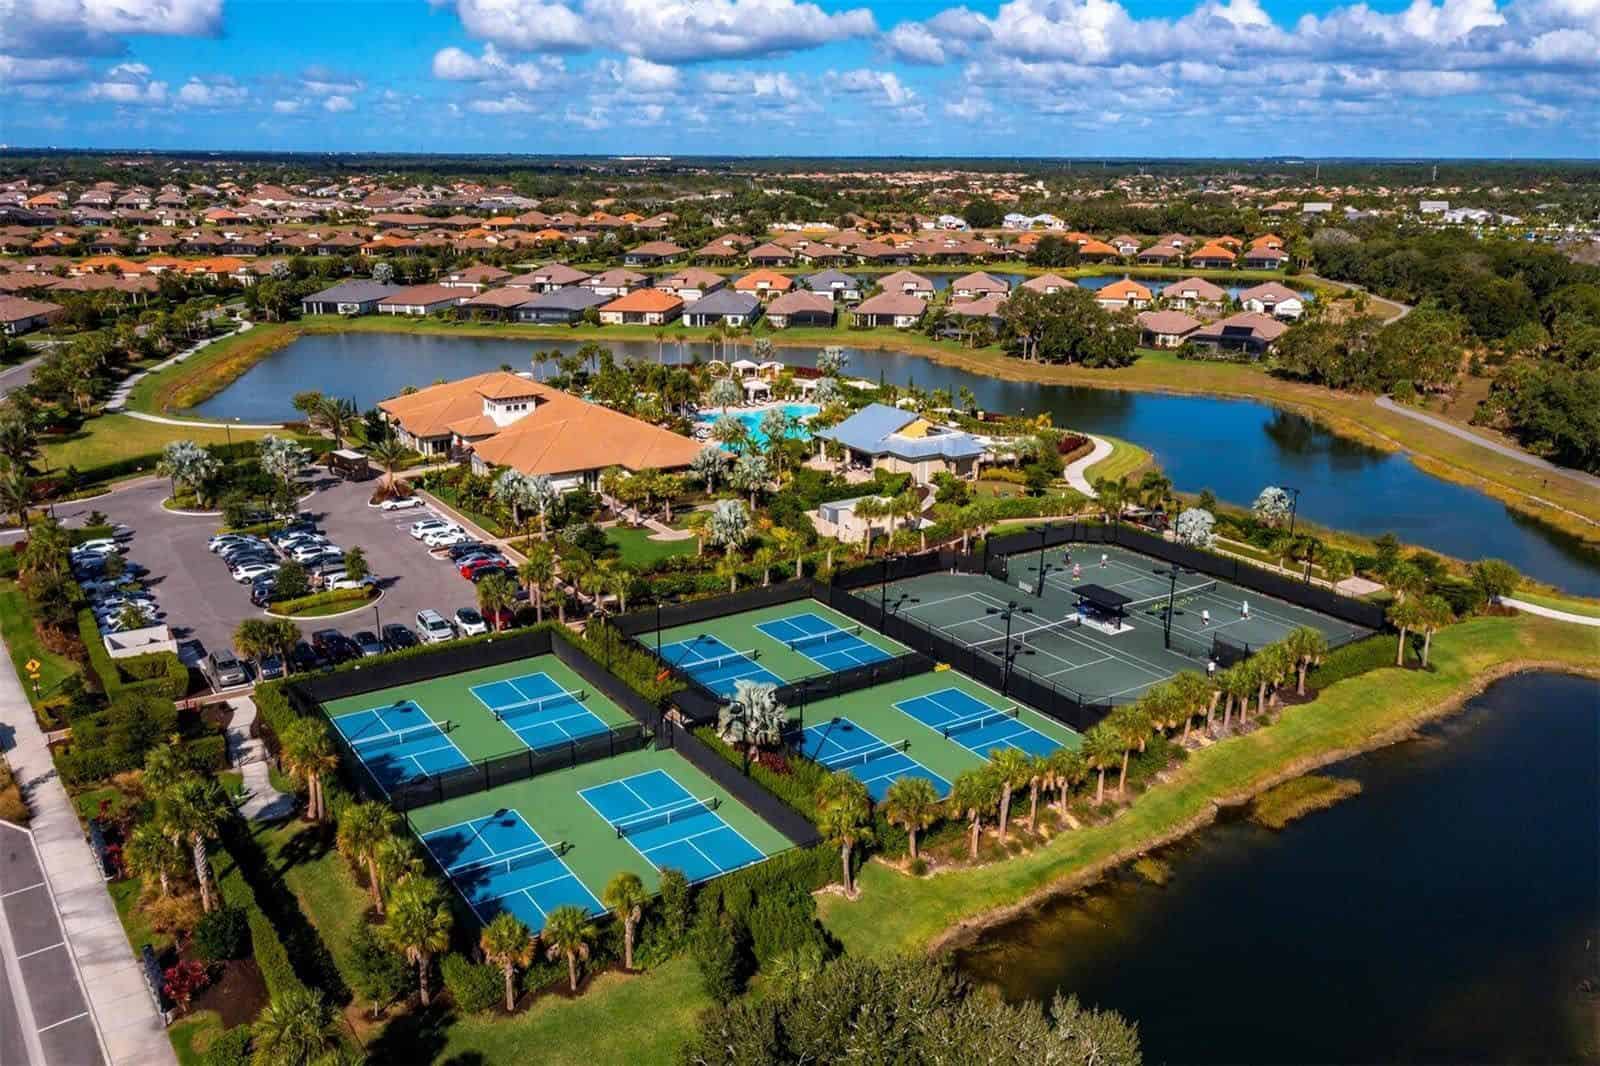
[
  {"x": 511, "y": 995},
  {"x": 1123, "y": 779},
  {"x": 374, "y": 884},
  {"x": 1227, "y": 713},
  {"x": 844, "y": 858},
  {"x": 200, "y": 873},
  {"x": 1100, "y": 789},
  {"x": 1300, "y": 670},
  {"x": 1427, "y": 644},
  {"x": 422, "y": 977},
  {"x": 1188, "y": 720},
  {"x": 572, "y": 971},
  {"x": 1033, "y": 805},
  {"x": 627, "y": 944},
  {"x": 911, "y": 833},
  {"x": 1005, "y": 810},
  {"x": 1400, "y": 649},
  {"x": 972, "y": 851}
]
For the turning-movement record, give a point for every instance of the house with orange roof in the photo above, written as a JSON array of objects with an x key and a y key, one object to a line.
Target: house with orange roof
[
  {"x": 641, "y": 307},
  {"x": 1094, "y": 249},
  {"x": 1213, "y": 256},
  {"x": 1124, "y": 293},
  {"x": 503, "y": 420},
  {"x": 1267, "y": 240},
  {"x": 764, "y": 284}
]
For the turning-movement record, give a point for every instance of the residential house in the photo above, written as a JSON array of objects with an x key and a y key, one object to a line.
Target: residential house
[
  {"x": 736, "y": 309},
  {"x": 359, "y": 296},
  {"x": 421, "y": 300},
  {"x": 549, "y": 278},
  {"x": 1213, "y": 256},
  {"x": 641, "y": 307},
  {"x": 1097, "y": 251},
  {"x": 1249, "y": 332},
  {"x": 1271, "y": 298},
  {"x": 505, "y": 420},
  {"x": 904, "y": 282},
  {"x": 984, "y": 307},
  {"x": 770, "y": 255},
  {"x": 1160, "y": 255},
  {"x": 835, "y": 284},
  {"x": 498, "y": 304},
  {"x": 764, "y": 284},
  {"x": 1121, "y": 294},
  {"x": 801, "y": 308},
  {"x": 725, "y": 249},
  {"x": 1267, "y": 240},
  {"x": 879, "y": 436},
  {"x": 562, "y": 306},
  {"x": 477, "y": 278},
  {"x": 615, "y": 282},
  {"x": 19, "y": 315},
  {"x": 978, "y": 285},
  {"x": 1125, "y": 244},
  {"x": 1194, "y": 292},
  {"x": 652, "y": 253},
  {"x": 901, "y": 310},
  {"x": 1165, "y": 329},
  {"x": 1046, "y": 284},
  {"x": 691, "y": 283},
  {"x": 1264, "y": 259}
]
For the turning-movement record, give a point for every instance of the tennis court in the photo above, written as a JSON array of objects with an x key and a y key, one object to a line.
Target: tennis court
[
  {"x": 841, "y": 745},
  {"x": 549, "y": 812},
  {"x": 538, "y": 710},
  {"x": 670, "y": 826},
  {"x": 975, "y": 724},
  {"x": 399, "y": 740},
  {"x": 463, "y": 707},
  {"x": 500, "y": 863},
  {"x": 773, "y": 644}
]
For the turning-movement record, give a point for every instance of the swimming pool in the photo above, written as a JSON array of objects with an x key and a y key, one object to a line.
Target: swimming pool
[{"x": 752, "y": 420}]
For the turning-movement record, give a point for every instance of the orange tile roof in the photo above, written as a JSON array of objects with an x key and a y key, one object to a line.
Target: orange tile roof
[
  {"x": 1094, "y": 247},
  {"x": 643, "y": 301},
  {"x": 1123, "y": 290},
  {"x": 752, "y": 281}
]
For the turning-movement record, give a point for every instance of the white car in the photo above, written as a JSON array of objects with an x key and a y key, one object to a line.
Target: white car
[
  {"x": 401, "y": 503},
  {"x": 341, "y": 580},
  {"x": 432, "y": 627},
  {"x": 222, "y": 540},
  {"x": 250, "y": 571},
  {"x": 429, "y": 525},
  {"x": 470, "y": 622},
  {"x": 101, "y": 545},
  {"x": 310, "y": 553},
  {"x": 445, "y": 538}
]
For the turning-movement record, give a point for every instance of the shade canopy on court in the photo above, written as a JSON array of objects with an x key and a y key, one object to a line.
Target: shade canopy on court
[{"x": 1102, "y": 599}]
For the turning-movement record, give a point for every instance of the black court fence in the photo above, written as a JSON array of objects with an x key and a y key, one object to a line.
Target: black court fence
[
  {"x": 515, "y": 766},
  {"x": 1225, "y": 567},
  {"x": 797, "y": 694},
  {"x": 781, "y": 817},
  {"x": 638, "y": 624},
  {"x": 425, "y": 665}
]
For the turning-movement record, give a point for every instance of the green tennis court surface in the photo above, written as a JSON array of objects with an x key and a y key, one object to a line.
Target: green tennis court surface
[
  {"x": 553, "y": 839},
  {"x": 532, "y": 703},
  {"x": 774, "y": 645},
  {"x": 951, "y": 722},
  {"x": 1087, "y": 659}
]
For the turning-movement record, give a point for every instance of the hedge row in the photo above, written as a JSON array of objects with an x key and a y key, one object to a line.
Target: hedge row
[
  {"x": 354, "y": 597},
  {"x": 277, "y": 972},
  {"x": 1353, "y": 660},
  {"x": 159, "y": 673}
]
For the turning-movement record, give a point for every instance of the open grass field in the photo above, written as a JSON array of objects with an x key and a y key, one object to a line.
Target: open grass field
[
  {"x": 639, "y": 549},
  {"x": 22, "y": 641},
  {"x": 1127, "y": 460},
  {"x": 898, "y": 913},
  {"x": 112, "y": 438}
]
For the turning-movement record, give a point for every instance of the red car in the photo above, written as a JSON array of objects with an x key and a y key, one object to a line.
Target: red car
[{"x": 473, "y": 567}]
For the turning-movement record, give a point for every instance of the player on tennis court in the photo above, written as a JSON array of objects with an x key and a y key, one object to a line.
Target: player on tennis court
[
  {"x": 1244, "y": 608},
  {"x": 1104, "y": 559},
  {"x": 1205, "y": 616},
  {"x": 1077, "y": 572}
]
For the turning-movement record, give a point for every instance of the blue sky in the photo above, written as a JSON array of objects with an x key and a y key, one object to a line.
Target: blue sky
[{"x": 992, "y": 77}]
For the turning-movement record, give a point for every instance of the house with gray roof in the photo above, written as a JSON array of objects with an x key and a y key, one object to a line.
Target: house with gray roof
[
  {"x": 904, "y": 442},
  {"x": 357, "y": 297},
  {"x": 559, "y": 306},
  {"x": 836, "y": 284},
  {"x": 723, "y": 305}
]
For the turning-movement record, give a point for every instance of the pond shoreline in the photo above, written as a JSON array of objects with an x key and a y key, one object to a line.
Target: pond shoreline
[{"x": 969, "y": 930}]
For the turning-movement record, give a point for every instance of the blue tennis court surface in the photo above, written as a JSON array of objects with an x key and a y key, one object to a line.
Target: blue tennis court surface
[
  {"x": 823, "y": 642},
  {"x": 974, "y": 724},
  {"x": 844, "y": 746},
  {"x": 500, "y": 863},
  {"x": 715, "y": 665},
  {"x": 670, "y": 827},
  {"x": 538, "y": 710},
  {"x": 399, "y": 742}
]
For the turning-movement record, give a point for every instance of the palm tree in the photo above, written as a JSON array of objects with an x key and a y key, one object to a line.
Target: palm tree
[
  {"x": 195, "y": 808},
  {"x": 625, "y": 897},
  {"x": 16, "y": 494},
  {"x": 1131, "y": 726},
  {"x": 1112, "y": 495},
  {"x": 567, "y": 935},
  {"x": 388, "y": 453},
  {"x": 496, "y": 594},
  {"x": 362, "y": 827},
  {"x": 1191, "y": 695},
  {"x": 912, "y": 803},
  {"x": 507, "y": 943},
  {"x": 536, "y": 572},
  {"x": 396, "y": 859},
  {"x": 1308, "y": 646},
  {"x": 844, "y": 819},
  {"x": 1407, "y": 580},
  {"x": 163, "y": 768},
  {"x": 1067, "y": 769},
  {"x": 1012, "y": 769},
  {"x": 1235, "y": 683},
  {"x": 149, "y": 853},
  {"x": 295, "y": 1029},
  {"x": 973, "y": 795},
  {"x": 866, "y": 509},
  {"x": 184, "y": 462},
  {"x": 418, "y": 925},
  {"x": 765, "y": 557},
  {"x": 1404, "y": 616},
  {"x": 309, "y": 753},
  {"x": 337, "y": 416},
  {"x": 1433, "y": 612},
  {"x": 1102, "y": 748}
]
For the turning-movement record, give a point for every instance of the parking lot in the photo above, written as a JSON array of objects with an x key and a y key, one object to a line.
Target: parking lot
[{"x": 203, "y": 602}]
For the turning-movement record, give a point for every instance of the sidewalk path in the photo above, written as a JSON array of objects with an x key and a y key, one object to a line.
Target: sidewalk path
[
  {"x": 120, "y": 1004},
  {"x": 1074, "y": 472},
  {"x": 191, "y": 424},
  {"x": 119, "y": 397},
  {"x": 1493, "y": 445},
  {"x": 262, "y": 802},
  {"x": 1550, "y": 612}
]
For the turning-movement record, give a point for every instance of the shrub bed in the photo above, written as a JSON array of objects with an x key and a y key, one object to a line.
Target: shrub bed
[
  {"x": 321, "y": 603},
  {"x": 1353, "y": 660}
]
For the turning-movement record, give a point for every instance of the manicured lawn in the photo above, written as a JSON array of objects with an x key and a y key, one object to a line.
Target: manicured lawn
[
  {"x": 897, "y": 913},
  {"x": 22, "y": 640},
  {"x": 1126, "y": 459},
  {"x": 110, "y": 438},
  {"x": 207, "y": 373},
  {"x": 320, "y": 879},
  {"x": 191, "y": 1036},
  {"x": 637, "y": 547}
]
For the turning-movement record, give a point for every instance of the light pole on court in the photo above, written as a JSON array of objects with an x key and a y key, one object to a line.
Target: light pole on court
[
  {"x": 1172, "y": 595},
  {"x": 1008, "y": 612}
]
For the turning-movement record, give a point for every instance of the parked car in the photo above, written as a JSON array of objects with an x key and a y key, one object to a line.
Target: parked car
[
  {"x": 99, "y": 544},
  {"x": 401, "y": 503},
  {"x": 223, "y": 540},
  {"x": 470, "y": 622},
  {"x": 248, "y": 572},
  {"x": 224, "y": 670},
  {"x": 445, "y": 538},
  {"x": 397, "y": 636},
  {"x": 500, "y": 618},
  {"x": 335, "y": 645},
  {"x": 433, "y": 628},
  {"x": 310, "y": 553},
  {"x": 342, "y": 580},
  {"x": 429, "y": 525},
  {"x": 368, "y": 643},
  {"x": 269, "y": 667},
  {"x": 306, "y": 658},
  {"x": 470, "y": 569},
  {"x": 492, "y": 568},
  {"x": 460, "y": 551}
]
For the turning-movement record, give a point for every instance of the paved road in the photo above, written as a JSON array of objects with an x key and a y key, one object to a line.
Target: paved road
[
  {"x": 1550, "y": 612},
  {"x": 1483, "y": 442},
  {"x": 15, "y": 377}
]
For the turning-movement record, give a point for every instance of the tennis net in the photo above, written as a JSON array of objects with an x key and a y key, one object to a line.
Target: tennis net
[
  {"x": 717, "y": 662},
  {"x": 861, "y": 758},
  {"x": 534, "y": 706},
  {"x": 812, "y": 640},
  {"x": 1028, "y": 636},
  {"x": 674, "y": 812},
  {"x": 520, "y": 860},
  {"x": 977, "y": 721},
  {"x": 1190, "y": 590},
  {"x": 396, "y": 737}
]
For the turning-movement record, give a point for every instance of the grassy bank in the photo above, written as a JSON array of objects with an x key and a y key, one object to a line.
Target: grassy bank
[
  {"x": 1282, "y": 804},
  {"x": 207, "y": 373},
  {"x": 1570, "y": 604},
  {"x": 115, "y": 438},
  {"x": 1127, "y": 460},
  {"x": 22, "y": 641},
  {"x": 899, "y": 913}
]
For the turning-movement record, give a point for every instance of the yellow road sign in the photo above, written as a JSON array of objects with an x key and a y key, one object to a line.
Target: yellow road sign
[{"x": 32, "y": 666}]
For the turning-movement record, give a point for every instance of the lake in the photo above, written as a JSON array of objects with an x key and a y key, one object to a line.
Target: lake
[
  {"x": 1233, "y": 447},
  {"x": 1447, "y": 914}
]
